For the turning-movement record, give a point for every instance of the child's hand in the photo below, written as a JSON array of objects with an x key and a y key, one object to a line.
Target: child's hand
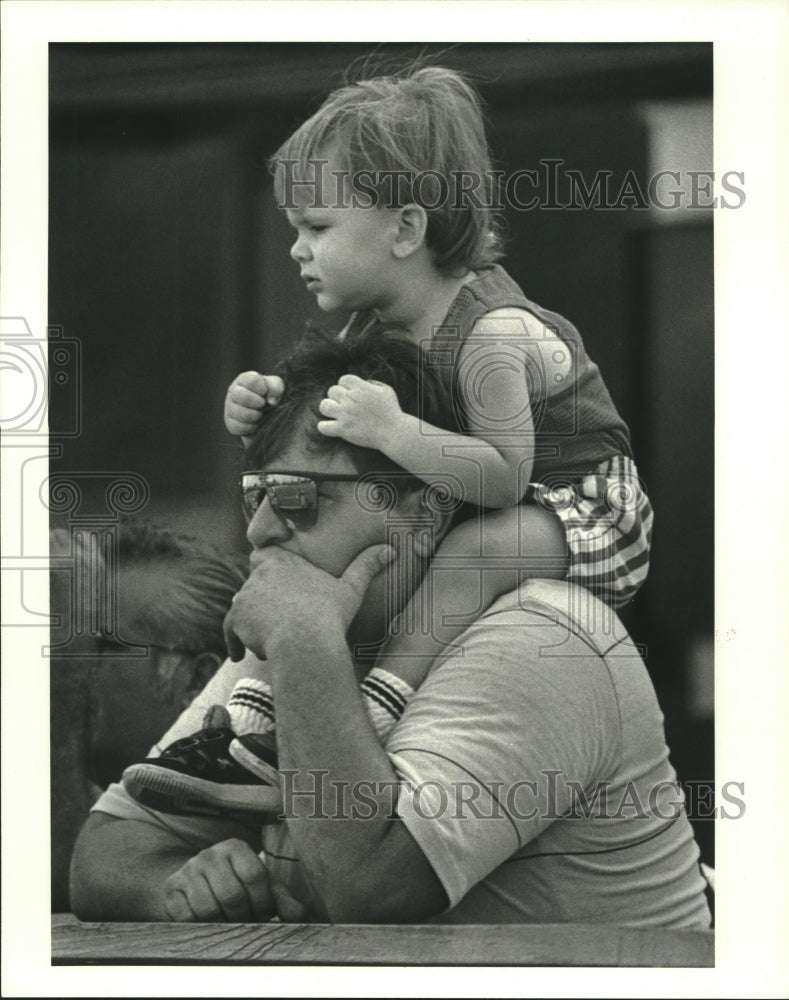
[
  {"x": 248, "y": 395},
  {"x": 361, "y": 412}
]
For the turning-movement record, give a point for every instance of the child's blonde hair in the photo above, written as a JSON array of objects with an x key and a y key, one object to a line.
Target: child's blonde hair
[{"x": 415, "y": 136}]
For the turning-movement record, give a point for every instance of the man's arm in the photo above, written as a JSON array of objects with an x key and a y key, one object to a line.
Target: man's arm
[
  {"x": 361, "y": 860},
  {"x": 140, "y": 867},
  {"x": 119, "y": 869}
]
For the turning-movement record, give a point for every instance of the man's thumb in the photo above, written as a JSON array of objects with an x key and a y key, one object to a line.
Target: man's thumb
[{"x": 366, "y": 565}]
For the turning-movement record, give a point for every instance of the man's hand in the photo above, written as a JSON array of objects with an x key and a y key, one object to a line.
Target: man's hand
[
  {"x": 248, "y": 395},
  {"x": 284, "y": 588},
  {"x": 228, "y": 883},
  {"x": 361, "y": 412}
]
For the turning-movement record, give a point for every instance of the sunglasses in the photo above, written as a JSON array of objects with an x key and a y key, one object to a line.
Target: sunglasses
[{"x": 293, "y": 495}]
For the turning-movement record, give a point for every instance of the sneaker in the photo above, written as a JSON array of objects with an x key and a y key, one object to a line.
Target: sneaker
[
  {"x": 197, "y": 776},
  {"x": 258, "y": 754},
  {"x": 217, "y": 717}
]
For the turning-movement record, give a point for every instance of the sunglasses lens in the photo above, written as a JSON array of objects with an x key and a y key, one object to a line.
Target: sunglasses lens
[
  {"x": 293, "y": 498},
  {"x": 253, "y": 492}
]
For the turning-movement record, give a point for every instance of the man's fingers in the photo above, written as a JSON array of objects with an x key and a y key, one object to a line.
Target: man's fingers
[
  {"x": 288, "y": 908},
  {"x": 191, "y": 900},
  {"x": 177, "y": 908},
  {"x": 235, "y": 647},
  {"x": 254, "y": 880},
  {"x": 203, "y": 900},
  {"x": 226, "y": 882},
  {"x": 232, "y": 897},
  {"x": 366, "y": 565},
  {"x": 349, "y": 381}
]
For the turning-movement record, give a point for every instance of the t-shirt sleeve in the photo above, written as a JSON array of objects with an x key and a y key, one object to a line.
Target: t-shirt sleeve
[
  {"x": 196, "y": 832},
  {"x": 489, "y": 747}
]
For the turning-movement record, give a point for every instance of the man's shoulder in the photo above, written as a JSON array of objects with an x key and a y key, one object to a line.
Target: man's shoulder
[
  {"x": 558, "y": 602},
  {"x": 554, "y": 615},
  {"x": 526, "y": 658}
]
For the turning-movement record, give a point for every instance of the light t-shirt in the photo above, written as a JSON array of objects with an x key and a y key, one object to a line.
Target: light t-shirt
[{"x": 534, "y": 774}]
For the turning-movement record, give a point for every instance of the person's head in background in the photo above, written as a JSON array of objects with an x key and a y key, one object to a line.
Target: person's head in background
[
  {"x": 166, "y": 600},
  {"x": 134, "y": 644},
  {"x": 172, "y": 593}
]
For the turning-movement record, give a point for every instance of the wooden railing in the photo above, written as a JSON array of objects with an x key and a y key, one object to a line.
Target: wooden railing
[{"x": 76, "y": 943}]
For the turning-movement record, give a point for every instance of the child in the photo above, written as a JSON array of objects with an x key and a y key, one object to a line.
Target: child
[{"x": 390, "y": 190}]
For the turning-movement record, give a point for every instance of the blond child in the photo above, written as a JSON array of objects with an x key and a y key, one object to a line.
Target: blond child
[{"x": 390, "y": 190}]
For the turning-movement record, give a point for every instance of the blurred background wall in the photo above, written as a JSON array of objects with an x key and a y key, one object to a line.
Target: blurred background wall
[{"x": 169, "y": 267}]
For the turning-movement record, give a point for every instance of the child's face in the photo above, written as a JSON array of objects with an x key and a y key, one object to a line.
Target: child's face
[{"x": 344, "y": 252}]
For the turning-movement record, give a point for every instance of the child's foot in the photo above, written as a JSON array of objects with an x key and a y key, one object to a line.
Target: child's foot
[
  {"x": 201, "y": 775},
  {"x": 255, "y": 752}
]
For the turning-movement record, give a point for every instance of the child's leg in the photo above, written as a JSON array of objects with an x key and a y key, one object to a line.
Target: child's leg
[{"x": 477, "y": 562}]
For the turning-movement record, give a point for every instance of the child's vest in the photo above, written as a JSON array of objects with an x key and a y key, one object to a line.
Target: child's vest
[{"x": 576, "y": 424}]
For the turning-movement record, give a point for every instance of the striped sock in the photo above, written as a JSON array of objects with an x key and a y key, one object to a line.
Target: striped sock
[
  {"x": 251, "y": 707},
  {"x": 385, "y": 698}
]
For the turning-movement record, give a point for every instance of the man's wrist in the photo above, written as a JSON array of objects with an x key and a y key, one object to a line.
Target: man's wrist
[{"x": 313, "y": 641}]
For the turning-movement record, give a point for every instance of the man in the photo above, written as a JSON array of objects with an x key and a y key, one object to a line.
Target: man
[
  {"x": 526, "y": 781},
  {"x": 114, "y": 695}
]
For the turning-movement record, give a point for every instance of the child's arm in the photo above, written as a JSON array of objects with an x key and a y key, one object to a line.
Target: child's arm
[
  {"x": 248, "y": 395},
  {"x": 494, "y": 460}
]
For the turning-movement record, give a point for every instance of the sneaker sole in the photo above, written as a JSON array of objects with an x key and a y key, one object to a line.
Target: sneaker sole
[
  {"x": 194, "y": 808},
  {"x": 253, "y": 763},
  {"x": 169, "y": 791}
]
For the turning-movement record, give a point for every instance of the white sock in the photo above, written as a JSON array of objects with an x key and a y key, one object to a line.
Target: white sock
[
  {"x": 251, "y": 707},
  {"x": 385, "y": 698}
]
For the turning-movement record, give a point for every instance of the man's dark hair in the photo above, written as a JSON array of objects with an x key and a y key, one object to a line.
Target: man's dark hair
[{"x": 318, "y": 362}]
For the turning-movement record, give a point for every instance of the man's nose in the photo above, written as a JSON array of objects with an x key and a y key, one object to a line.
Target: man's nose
[
  {"x": 300, "y": 251},
  {"x": 266, "y": 528}
]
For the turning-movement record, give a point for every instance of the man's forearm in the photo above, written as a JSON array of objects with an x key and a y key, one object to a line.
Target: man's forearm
[
  {"x": 119, "y": 869},
  {"x": 362, "y": 862}
]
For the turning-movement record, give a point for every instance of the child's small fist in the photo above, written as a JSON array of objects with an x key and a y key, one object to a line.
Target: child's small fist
[
  {"x": 248, "y": 395},
  {"x": 363, "y": 412}
]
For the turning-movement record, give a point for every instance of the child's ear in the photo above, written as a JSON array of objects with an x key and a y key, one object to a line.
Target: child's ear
[{"x": 411, "y": 230}]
